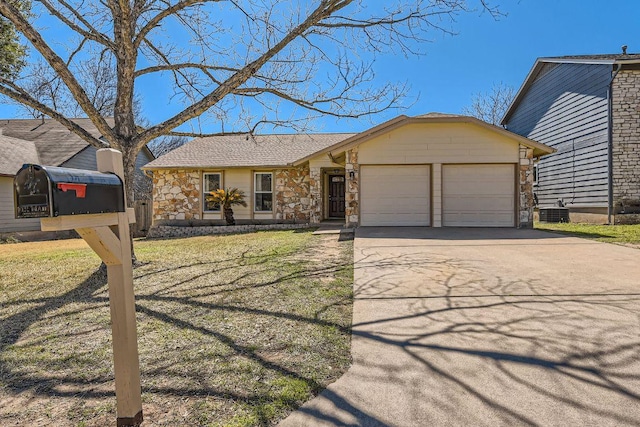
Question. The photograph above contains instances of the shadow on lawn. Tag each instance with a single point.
(185, 306)
(496, 346)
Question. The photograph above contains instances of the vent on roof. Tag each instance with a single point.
(624, 49)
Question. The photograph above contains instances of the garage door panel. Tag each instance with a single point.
(496, 204)
(395, 195)
(478, 195)
(468, 219)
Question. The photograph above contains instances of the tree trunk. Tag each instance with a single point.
(228, 215)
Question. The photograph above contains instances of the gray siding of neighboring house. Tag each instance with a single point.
(86, 159)
(566, 108)
(8, 223)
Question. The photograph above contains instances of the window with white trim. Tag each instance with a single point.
(535, 174)
(210, 182)
(263, 192)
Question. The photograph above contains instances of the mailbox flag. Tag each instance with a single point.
(80, 189)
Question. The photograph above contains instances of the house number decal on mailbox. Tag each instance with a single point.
(33, 194)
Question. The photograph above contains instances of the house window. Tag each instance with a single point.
(263, 190)
(535, 174)
(210, 182)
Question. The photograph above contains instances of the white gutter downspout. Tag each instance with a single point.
(610, 142)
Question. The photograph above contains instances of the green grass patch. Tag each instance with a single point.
(232, 330)
(624, 234)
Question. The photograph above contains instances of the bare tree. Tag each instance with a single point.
(164, 144)
(491, 106)
(245, 63)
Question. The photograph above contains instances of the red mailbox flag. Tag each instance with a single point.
(80, 189)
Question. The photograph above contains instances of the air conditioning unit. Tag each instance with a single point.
(554, 214)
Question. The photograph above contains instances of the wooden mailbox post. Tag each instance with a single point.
(108, 235)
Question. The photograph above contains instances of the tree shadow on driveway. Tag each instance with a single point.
(447, 333)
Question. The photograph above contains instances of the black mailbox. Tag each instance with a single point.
(48, 191)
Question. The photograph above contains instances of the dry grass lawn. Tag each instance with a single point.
(233, 330)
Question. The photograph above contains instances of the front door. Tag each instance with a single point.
(336, 196)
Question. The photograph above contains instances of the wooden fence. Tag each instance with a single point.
(144, 212)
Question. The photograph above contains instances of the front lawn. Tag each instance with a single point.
(623, 234)
(233, 330)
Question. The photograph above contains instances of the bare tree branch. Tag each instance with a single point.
(91, 33)
(22, 25)
(8, 89)
(491, 106)
(326, 8)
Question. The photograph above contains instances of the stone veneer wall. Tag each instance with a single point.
(626, 141)
(352, 209)
(176, 194)
(526, 202)
(168, 231)
(293, 199)
(315, 195)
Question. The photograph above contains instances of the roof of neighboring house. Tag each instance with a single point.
(55, 143)
(15, 153)
(538, 148)
(612, 59)
(604, 58)
(244, 150)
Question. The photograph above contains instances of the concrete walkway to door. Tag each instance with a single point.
(488, 327)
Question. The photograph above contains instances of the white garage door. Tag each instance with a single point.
(478, 195)
(395, 195)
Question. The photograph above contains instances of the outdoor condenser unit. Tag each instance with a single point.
(554, 214)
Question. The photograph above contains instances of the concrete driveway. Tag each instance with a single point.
(488, 327)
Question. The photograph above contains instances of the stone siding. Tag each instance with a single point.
(526, 202)
(626, 141)
(352, 209)
(293, 195)
(315, 194)
(168, 231)
(176, 194)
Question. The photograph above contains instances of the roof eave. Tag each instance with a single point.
(256, 167)
(350, 140)
(539, 149)
(355, 139)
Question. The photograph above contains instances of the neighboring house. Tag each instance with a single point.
(588, 108)
(432, 170)
(13, 154)
(47, 142)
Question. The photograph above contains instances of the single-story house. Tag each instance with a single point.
(431, 170)
(47, 142)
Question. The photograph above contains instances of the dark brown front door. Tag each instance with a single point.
(336, 196)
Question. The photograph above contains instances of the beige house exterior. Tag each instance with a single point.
(434, 170)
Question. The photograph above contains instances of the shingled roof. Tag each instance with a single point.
(54, 143)
(603, 57)
(228, 151)
(15, 153)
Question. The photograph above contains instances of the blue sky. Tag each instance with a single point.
(484, 52)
